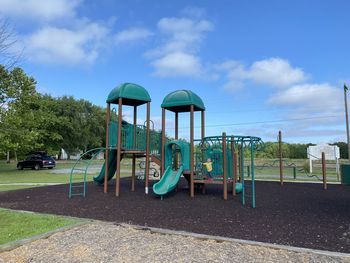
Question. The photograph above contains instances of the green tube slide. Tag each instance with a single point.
(112, 166)
(168, 182)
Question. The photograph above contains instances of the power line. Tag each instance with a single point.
(267, 121)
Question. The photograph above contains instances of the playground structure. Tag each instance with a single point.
(175, 157)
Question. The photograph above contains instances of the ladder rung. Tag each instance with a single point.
(77, 194)
(77, 186)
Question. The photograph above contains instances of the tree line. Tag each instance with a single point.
(295, 150)
(31, 121)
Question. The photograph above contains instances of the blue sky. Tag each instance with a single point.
(259, 66)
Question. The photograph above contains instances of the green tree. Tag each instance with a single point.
(343, 148)
(17, 100)
(81, 124)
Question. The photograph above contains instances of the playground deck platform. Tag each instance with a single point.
(301, 215)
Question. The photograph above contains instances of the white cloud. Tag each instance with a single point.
(66, 46)
(177, 64)
(183, 34)
(316, 110)
(323, 96)
(274, 72)
(178, 53)
(38, 9)
(132, 35)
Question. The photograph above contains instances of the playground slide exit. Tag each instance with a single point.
(168, 182)
(112, 166)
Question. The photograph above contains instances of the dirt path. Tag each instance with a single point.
(107, 242)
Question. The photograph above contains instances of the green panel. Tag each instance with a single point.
(133, 93)
(112, 134)
(181, 100)
(345, 174)
(184, 153)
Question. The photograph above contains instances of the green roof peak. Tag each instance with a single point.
(181, 101)
(132, 94)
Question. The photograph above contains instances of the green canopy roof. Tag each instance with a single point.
(181, 101)
(132, 94)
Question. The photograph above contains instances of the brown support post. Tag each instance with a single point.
(324, 176)
(347, 119)
(176, 125)
(191, 150)
(239, 159)
(202, 141)
(105, 187)
(224, 154)
(119, 145)
(280, 156)
(133, 169)
(202, 125)
(162, 168)
(234, 165)
(176, 138)
(147, 145)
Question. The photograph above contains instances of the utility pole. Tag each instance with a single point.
(347, 119)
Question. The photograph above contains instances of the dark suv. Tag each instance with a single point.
(37, 162)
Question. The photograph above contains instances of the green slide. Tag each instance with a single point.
(168, 182)
(112, 166)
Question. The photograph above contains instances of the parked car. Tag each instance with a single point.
(37, 162)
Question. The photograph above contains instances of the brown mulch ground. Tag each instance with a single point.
(302, 215)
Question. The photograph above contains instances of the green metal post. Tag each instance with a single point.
(242, 170)
(252, 171)
(295, 172)
(70, 183)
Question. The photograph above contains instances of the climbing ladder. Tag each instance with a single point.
(79, 172)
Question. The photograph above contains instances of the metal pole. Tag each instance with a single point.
(191, 150)
(234, 165)
(163, 143)
(294, 172)
(119, 146)
(252, 171)
(147, 145)
(347, 119)
(133, 171)
(176, 125)
(202, 134)
(202, 124)
(239, 160)
(324, 177)
(242, 171)
(176, 138)
(202, 141)
(280, 156)
(105, 187)
(224, 155)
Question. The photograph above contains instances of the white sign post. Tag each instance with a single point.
(331, 153)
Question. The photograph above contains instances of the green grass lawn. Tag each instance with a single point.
(16, 225)
(9, 174)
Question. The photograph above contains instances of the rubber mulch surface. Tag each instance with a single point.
(302, 215)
